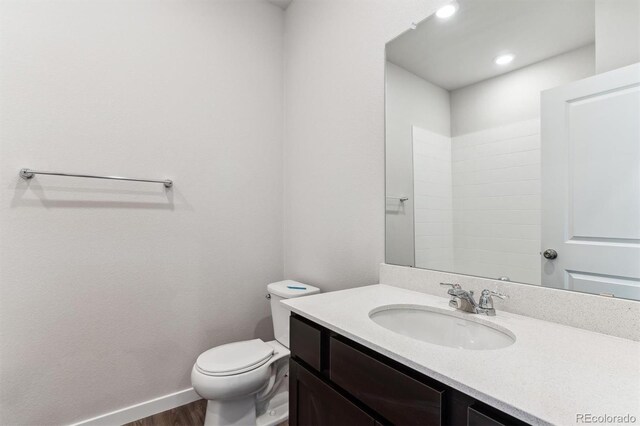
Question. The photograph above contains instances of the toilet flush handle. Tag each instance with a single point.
(268, 296)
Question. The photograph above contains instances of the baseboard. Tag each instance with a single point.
(142, 410)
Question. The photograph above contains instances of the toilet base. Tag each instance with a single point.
(276, 410)
(238, 412)
(274, 416)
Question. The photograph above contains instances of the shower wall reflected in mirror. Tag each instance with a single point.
(513, 143)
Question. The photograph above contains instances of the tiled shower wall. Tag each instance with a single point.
(477, 201)
(496, 202)
(432, 189)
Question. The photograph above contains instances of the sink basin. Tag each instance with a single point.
(441, 327)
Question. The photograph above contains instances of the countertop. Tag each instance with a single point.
(549, 375)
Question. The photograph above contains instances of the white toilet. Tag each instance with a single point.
(246, 383)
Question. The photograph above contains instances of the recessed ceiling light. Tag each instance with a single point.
(504, 59)
(447, 11)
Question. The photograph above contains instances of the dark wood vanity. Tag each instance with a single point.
(335, 381)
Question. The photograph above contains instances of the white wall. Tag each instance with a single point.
(110, 290)
(334, 136)
(617, 34)
(515, 96)
(410, 101)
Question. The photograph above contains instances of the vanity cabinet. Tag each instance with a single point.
(335, 381)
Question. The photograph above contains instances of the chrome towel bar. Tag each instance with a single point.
(402, 199)
(28, 174)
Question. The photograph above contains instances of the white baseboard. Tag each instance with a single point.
(142, 410)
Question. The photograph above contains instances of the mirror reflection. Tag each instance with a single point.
(513, 143)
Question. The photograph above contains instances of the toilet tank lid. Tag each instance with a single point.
(289, 289)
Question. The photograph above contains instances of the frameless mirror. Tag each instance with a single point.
(513, 143)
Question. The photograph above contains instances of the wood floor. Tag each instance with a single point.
(188, 415)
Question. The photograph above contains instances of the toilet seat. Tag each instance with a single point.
(234, 358)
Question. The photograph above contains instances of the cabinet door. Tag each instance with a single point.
(479, 415)
(476, 418)
(314, 403)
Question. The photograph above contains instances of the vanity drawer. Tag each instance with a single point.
(399, 398)
(305, 342)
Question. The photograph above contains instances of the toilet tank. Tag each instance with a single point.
(285, 290)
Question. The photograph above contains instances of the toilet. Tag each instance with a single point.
(246, 383)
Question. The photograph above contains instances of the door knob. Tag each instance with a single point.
(550, 254)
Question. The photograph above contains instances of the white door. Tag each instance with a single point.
(591, 184)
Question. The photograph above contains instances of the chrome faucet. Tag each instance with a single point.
(463, 300)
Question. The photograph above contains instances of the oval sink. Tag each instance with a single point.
(440, 327)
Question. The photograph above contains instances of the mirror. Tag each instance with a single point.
(513, 143)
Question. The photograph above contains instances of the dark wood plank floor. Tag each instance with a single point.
(188, 415)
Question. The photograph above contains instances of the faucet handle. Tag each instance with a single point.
(497, 294)
(487, 293)
(454, 302)
(486, 300)
(453, 285)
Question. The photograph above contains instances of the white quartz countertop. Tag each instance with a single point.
(549, 375)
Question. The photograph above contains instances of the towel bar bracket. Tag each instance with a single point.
(26, 174)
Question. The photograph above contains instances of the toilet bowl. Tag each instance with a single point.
(233, 377)
(246, 382)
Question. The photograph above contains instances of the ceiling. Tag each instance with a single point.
(459, 51)
(283, 4)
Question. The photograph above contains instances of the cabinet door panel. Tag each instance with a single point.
(476, 418)
(314, 403)
(479, 415)
(399, 398)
